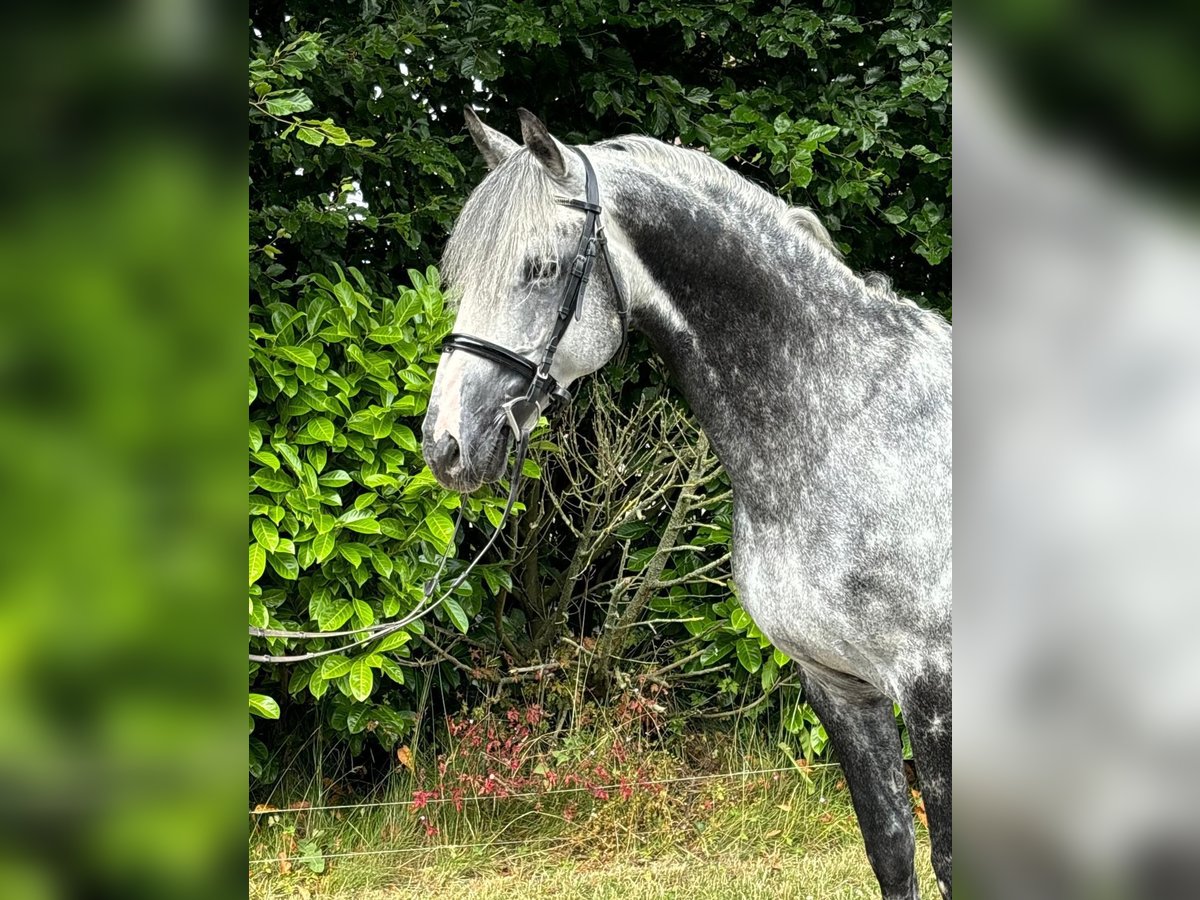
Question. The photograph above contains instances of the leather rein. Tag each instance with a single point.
(522, 414)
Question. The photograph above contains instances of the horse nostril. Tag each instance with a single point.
(448, 453)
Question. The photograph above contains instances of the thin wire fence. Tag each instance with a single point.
(484, 845)
(275, 860)
(639, 782)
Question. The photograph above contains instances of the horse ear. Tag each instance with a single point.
(544, 148)
(493, 146)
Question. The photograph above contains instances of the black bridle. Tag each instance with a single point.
(544, 392)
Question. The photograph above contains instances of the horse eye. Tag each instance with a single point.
(539, 270)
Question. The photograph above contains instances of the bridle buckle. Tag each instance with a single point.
(522, 415)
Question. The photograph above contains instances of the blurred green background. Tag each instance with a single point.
(122, 242)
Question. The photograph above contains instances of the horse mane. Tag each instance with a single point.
(673, 158)
(518, 192)
(698, 167)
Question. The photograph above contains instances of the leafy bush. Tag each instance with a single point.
(346, 522)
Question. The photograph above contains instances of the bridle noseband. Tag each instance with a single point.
(522, 414)
(544, 391)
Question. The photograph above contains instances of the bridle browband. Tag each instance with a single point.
(522, 415)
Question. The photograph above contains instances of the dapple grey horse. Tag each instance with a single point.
(826, 397)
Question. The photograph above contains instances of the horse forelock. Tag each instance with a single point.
(508, 218)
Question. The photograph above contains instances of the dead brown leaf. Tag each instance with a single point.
(405, 758)
(919, 808)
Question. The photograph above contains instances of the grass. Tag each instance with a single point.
(785, 834)
(841, 874)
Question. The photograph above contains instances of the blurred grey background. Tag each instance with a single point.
(1078, 385)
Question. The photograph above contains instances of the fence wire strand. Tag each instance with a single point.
(566, 790)
(349, 853)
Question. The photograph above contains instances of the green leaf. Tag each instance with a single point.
(267, 458)
(781, 658)
(263, 706)
(336, 478)
(284, 103)
(745, 114)
(823, 133)
(749, 655)
(404, 438)
(392, 669)
(275, 482)
(285, 564)
(317, 687)
(770, 674)
(334, 666)
(290, 456)
(382, 562)
(321, 429)
(497, 579)
(362, 679)
(640, 558)
(740, 619)
(310, 135)
(258, 561)
(311, 857)
(363, 611)
(301, 356)
(336, 134)
(323, 545)
(305, 555)
(441, 526)
(932, 86)
(335, 615)
(388, 334)
(494, 515)
(256, 438)
(456, 614)
(376, 481)
(393, 641)
(265, 533)
(345, 296)
(259, 616)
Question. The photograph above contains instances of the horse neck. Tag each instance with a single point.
(754, 319)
